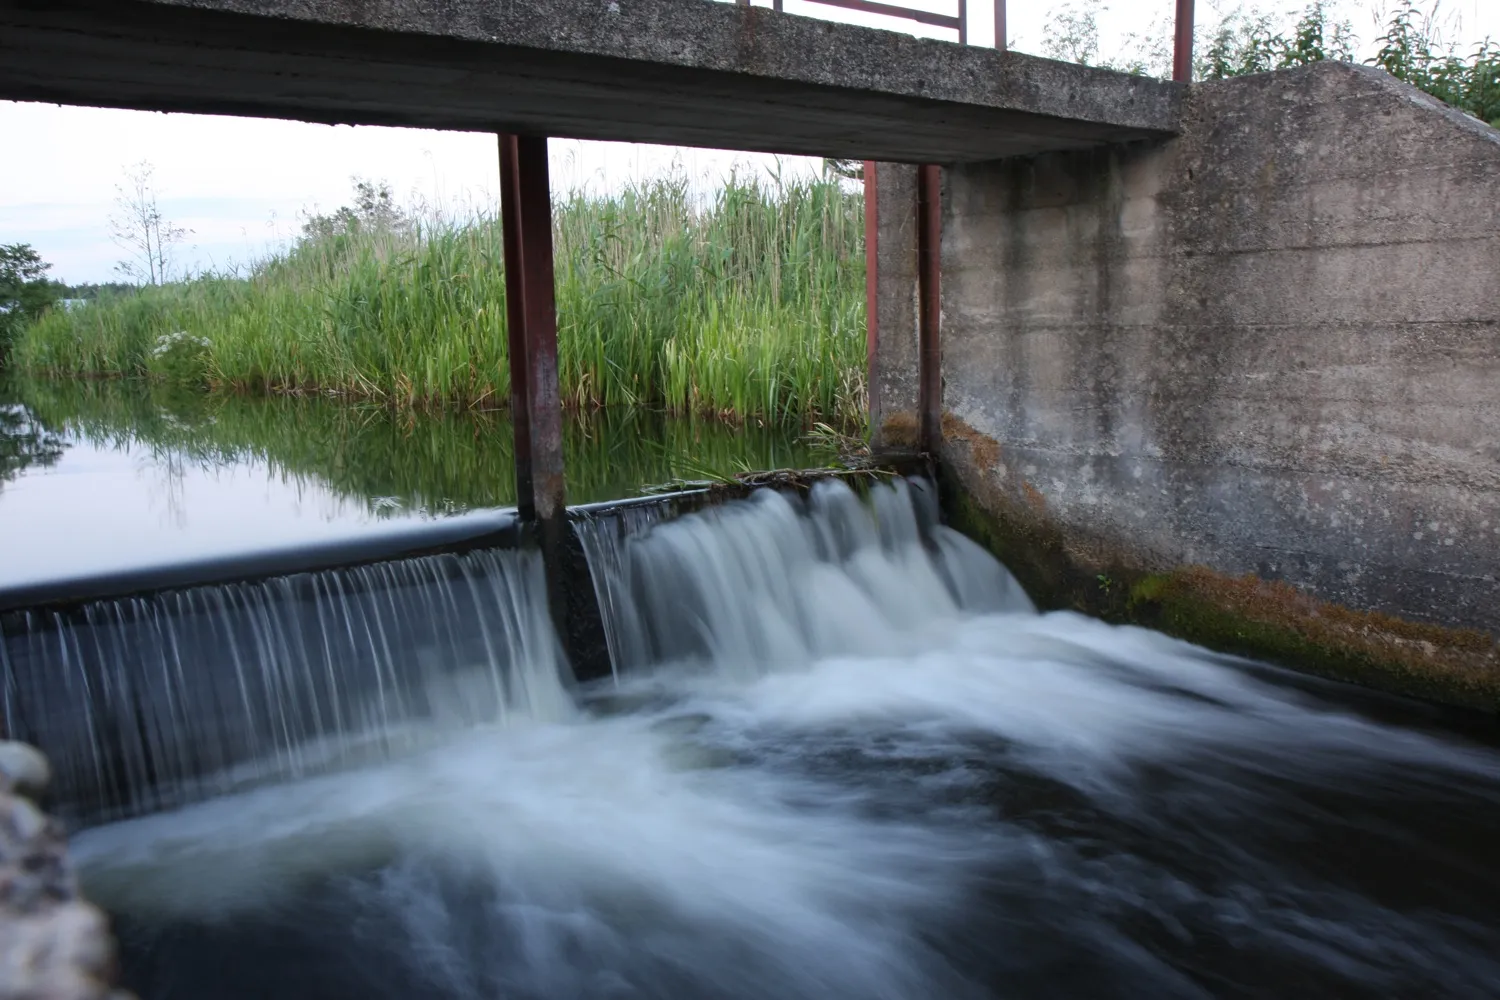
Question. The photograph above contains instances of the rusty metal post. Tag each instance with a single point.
(929, 309)
(1182, 48)
(536, 402)
(1000, 40)
(531, 313)
(872, 293)
(515, 324)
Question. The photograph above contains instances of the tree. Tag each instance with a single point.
(853, 170)
(374, 211)
(1072, 33)
(139, 227)
(1411, 50)
(25, 292)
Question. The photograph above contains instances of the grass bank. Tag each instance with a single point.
(749, 306)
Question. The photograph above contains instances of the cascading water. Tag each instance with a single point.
(843, 758)
(154, 701)
(747, 587)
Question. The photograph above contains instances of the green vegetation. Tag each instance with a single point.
(1248, 40)
(26, 294)
(391, 460)
(1409, 51)
(748, 307)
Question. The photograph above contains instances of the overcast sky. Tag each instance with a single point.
(240, 184)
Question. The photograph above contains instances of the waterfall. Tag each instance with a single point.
(147, 702)
(841, 757)
(779, 579)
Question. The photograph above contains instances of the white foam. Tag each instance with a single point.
(761, 790)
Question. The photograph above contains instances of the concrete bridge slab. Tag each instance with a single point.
(685, 72)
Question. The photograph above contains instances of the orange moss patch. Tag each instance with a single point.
(1034, 497)
(984, 451)
(901, 430)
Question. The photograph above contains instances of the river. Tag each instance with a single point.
(843, 758)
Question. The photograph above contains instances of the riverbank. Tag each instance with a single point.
(748, 307)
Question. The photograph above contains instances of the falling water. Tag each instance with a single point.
(152, 701)
(771, 581)
(844, 758)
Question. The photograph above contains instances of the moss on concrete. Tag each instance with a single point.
(1275, 621)
(1248, 616)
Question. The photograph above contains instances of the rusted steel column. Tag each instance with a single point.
(929, 305)
(515, 324)
(872, 289)
(1182, 48)
(1000, 41)
(531, 313)
(536, 402)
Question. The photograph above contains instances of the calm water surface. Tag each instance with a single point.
(104, 476)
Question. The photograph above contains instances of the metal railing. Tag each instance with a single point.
(958, 22)
(1182, 47)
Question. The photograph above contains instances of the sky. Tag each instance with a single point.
(241, 186)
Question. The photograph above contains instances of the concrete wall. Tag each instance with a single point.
(893, 378)
(1268, 346)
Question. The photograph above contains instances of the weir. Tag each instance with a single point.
(147, 702)
(840, 755)
(185, 683)
(1188, 376)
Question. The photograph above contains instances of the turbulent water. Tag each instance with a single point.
(158, 700)
(844, 757)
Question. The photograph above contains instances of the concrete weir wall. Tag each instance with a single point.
(1183, 374)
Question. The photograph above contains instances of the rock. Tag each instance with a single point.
(54, 945)
(64, 953)
(25, 769)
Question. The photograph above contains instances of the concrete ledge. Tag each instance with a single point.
(1062, 566)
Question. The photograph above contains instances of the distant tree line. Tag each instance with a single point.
(25, 292)
(88, 291)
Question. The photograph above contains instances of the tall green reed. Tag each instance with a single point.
(748, 305)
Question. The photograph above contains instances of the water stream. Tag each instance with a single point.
(844, 757)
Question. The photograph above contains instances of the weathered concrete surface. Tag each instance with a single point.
(893, 378)
(1269, 346)
(687, 72)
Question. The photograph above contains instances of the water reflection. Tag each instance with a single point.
(115, 475)
(25, 442)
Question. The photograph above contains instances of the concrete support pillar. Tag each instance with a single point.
(872, 282)
(929, 307)
(893, 311)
